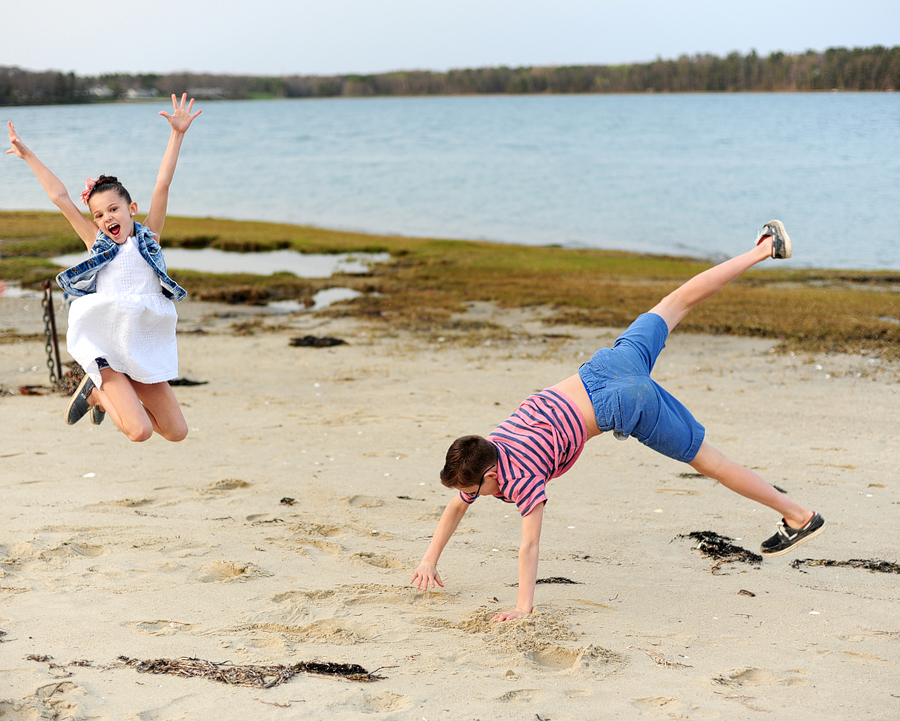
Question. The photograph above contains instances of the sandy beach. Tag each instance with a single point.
(286, 527)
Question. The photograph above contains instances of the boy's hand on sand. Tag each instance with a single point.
(426, 576)
(510, 615)
(18, 147)
(181, 117)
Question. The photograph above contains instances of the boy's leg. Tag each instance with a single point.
(711, 463)
(798, 525)
(675, 306)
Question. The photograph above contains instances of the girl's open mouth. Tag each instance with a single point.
(114, 230)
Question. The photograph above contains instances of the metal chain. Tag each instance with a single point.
(51, 344)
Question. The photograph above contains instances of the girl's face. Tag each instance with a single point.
(113, 215)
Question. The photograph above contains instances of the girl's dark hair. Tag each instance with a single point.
(110, 182)
(467, 458)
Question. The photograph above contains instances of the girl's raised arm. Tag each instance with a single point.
(180, 120)
(54, 188)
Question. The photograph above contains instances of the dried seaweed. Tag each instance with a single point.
(557, 579)
(255, 676)
(721, 549)
(552, 579)
(874, 565)
(311, 341)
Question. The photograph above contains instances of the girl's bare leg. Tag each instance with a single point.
(710, 462)
(163, 409)
(138, 409)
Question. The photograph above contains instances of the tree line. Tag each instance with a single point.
(854, 69)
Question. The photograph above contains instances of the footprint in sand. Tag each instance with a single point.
(670, 708)
(387, 702)
(363, 502)
(554, 657)
(329, 630)
(310, 546)
(593, 658)
(68, 551)
(229, 572)
(128, 502)
(365, 704)
(18, 552)
(185, 550)
(523, 695)
(751, 676)
(222, 487)
(377, 560)
(541, 638)
(57, 700)
(353, 594)
(315, 530)
(159, 628)
(260, 519)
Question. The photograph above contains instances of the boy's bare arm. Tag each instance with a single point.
(529, 552)
(426, 574)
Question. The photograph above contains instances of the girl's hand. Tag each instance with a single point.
(426, 576)
(181, 117)
(18, 147)
(510, 615)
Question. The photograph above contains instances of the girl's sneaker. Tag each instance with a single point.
(97, 415)
(781, 241)
(787, 538)
(78, 403)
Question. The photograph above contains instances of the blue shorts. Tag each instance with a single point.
(626, 400)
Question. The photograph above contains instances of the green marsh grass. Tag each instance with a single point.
(428, 281)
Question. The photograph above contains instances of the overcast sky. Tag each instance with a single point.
(281, 37)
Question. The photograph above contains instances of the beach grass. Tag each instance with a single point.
(428, 282)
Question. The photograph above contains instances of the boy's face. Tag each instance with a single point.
(489, 485)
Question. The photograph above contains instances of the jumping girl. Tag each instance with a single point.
(122, 319)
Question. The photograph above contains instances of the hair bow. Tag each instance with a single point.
(88, 187)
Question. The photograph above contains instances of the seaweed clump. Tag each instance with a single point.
(721, 549)
(255, 676)
(873, 565)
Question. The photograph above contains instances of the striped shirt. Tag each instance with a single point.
(540, 441)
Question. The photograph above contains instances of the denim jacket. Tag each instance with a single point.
(81, 279)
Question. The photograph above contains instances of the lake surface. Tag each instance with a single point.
(678, 174)
(303, 265)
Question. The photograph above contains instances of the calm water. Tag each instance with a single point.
(683, 174)
(303, 265)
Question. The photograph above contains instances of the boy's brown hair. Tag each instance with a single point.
(467, 458)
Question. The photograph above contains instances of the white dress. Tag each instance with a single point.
(128, 322)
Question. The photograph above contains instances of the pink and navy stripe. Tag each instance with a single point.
(540, 441)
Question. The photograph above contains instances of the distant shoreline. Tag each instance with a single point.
(858, 69)
(162, 98)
